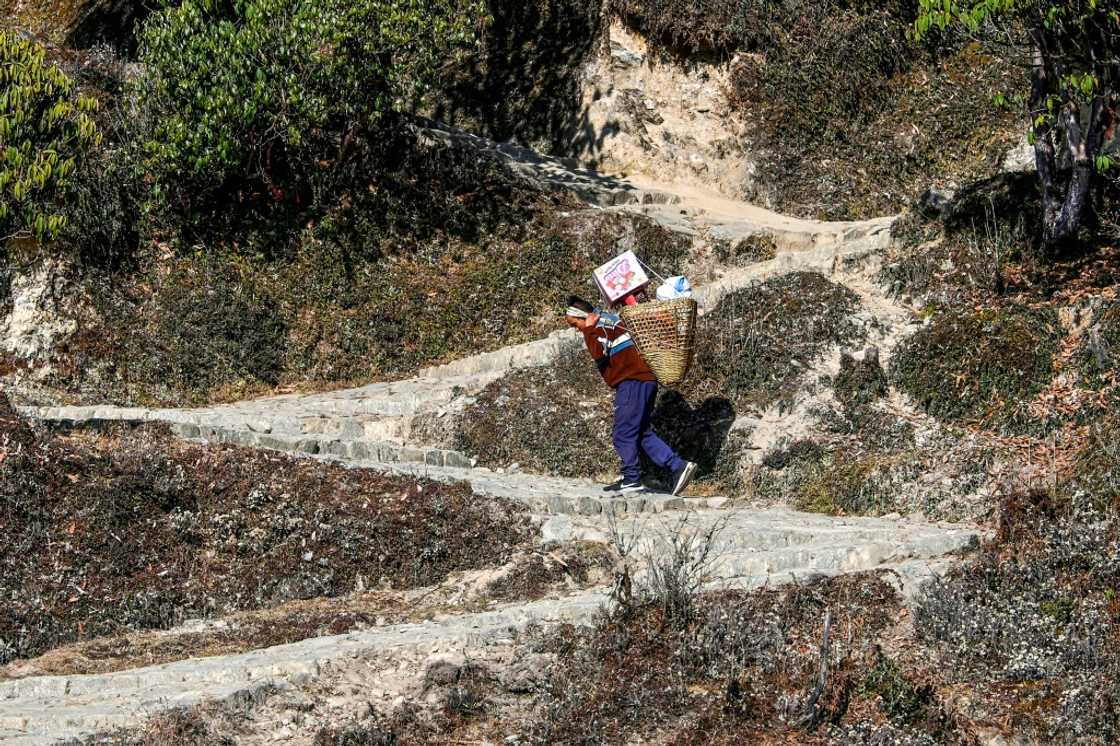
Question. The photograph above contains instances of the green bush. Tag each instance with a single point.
(272, 101)
(45, 127)
(1069, 95)
(980, 366)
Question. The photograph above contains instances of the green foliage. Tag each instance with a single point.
(980, 366)
(45, 126)
(258, 100)
(899, 699)
(1081, 36)
(1074, 48)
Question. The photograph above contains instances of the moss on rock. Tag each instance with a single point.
(980, 366)
(757, 248)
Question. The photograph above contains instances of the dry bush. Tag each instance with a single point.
(142, 531)
(982, 366)
(679, 565)
(718, 679)
(1031, 624)
(758, 341)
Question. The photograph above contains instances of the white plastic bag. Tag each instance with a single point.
(674, 287)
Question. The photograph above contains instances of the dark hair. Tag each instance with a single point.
(576, 302)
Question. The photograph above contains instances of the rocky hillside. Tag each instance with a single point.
(653, 94)
(297, 440)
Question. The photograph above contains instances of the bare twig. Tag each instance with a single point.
(811, 713)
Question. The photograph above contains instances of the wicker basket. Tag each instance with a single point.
(665, 334)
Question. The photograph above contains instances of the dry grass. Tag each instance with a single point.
(141, 531)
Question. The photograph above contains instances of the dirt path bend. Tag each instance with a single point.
(682, 207)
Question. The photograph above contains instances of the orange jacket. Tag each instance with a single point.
(614, 352)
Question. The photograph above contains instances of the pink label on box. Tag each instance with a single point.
(620, 276)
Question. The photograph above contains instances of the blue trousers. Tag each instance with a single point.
(633, 407)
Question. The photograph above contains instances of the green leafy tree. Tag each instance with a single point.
(1074, 53)
(45, 126)
(264, 99)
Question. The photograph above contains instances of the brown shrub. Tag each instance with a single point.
(143, 531)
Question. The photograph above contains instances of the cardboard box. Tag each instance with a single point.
(620, 276)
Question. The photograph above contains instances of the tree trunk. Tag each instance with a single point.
(1064, 206)
(1084, 145)
(1043, 135)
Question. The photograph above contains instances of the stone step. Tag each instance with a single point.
(372, 452)
(46, 709)
(514, 357)
(849, 557)
(346, 442)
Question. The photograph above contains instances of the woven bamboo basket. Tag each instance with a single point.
(664, 332)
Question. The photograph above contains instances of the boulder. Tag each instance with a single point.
(1019, 159)
(41, 312)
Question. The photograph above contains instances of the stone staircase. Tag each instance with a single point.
(373, 424)
(752, 548)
